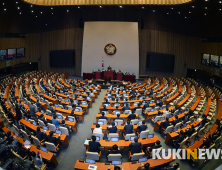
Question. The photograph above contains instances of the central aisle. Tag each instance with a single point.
(76, 149)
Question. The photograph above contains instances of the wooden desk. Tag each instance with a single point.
(34, 128)
(173, 135)
(72, 124)
(150, 115)
(1, 123)
(111, 117)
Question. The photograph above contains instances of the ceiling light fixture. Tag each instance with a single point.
(121, 6)
(67, 10)
(142, 7)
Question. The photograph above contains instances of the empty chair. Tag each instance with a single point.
(113, 135)
(144, 134)
(120, 122)
(192, 137)
(103, 120)
(69, 107)
(59, 114)
(139, 111)
(25, 135)
(64, 130)
(136, 156)
(148, 109)
(36, 141)
(114, 157)
(127, 111)
(61, 106)
(93, 155)
(51, 147)
(178, 125)
(127, 137)
(52, 127)
(100, 135)
(48, 111)
(168, 129)
(134, 121)
(41, 123)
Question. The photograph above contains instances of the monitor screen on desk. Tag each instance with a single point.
(100, 123)
(45, 127)
(80, 97)
(59, 132)
(90, 161)
(130, 112)
(143, 103)
(161, 108)
(192, 143)
(117, 112)
(88, 98)
(135, 104)
(140, 122)
(84, 103)
(71, 119)
(26, 119)
(132, 138)
(91, 94)
(75, 101)
(97, 138)
(59, 117)
(141, 98)
(142, 160)
(34, 123)
(114, 139)
(175, 129)
(150, 136)
(107, 105)
(170, 116)
(116, 104)
(67, 100)
(152, 110)
(56, 105)
(43, 149)
(117, 162)
(42, 101)
(16, 134)
(151, 102)
(164, 154)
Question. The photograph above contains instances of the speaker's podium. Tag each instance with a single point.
(109, 73)
(119, 76)
(97, 75)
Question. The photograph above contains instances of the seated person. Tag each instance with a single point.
(132, 116)
(53, 139)
(190, 131)
(128, 128)
(93, 145)
(177, 141)
(185, 120)
(42, 118)
(64, 125)
(117, 109)
(39, 105)
(73, 115)
(172, 167)
(138, 107)
(112, 129)
(175, 121)
(106, 102)
(40, 135)
(17, 124)
(207, 142)
(98, 129)
(165, 124)
(50, 108)
(117, 117)
(104, 108)
(155, 146)
(146, 105)
(115, 150)
(142, 127)
(9, 138)
(103, 116)
(126, 107)
(55, 121)
(22, 152)
(145, 167)
(37, 159)
(215, 136)
(135, 146)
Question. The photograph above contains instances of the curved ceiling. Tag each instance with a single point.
(106, 2)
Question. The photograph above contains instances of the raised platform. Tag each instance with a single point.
(105, 85)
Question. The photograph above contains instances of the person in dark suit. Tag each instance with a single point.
(106, 102)
(172, 167)
(18, 112)
(103, 116)
(190, 131)
(32, 109)
(42, 118)
(135, 147)
(138, 107)
(17, 124)
(23, 152)
(115, 150)
(104, 108)
(179, 139)
(38, 104)
(50, 108)
(207, 142)
(165, 124)
(113, 129)
(175, 121)
(142, 127)
(132, 116)
(93, 145)
(9, 138)
(9, 114)
(190, 113)
(146, 105)
(40, 135)
(53, 139)
(155, 146)
(128, 128)
(117, 117)
(201, 126)
(64, 125)
(126, 107)
(185, 120)
(144, 166)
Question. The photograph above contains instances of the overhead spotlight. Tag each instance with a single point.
(5, 9)
(205, 14)
(52, 13)
(206, 0)
(100, 6)
(193, 6)
(167, 13)
(67, 10)
(178, 12)
(32, 11)
(185, 17)
(16, 2)
(189, 12)
(31, 5)
(45, 24)
(20, 13)
(78, 6)
(3, 3)
(220, 9)
(18, 7)
(40, 12)
(36, 16)
(220, 2)
(172, 8)
(51, 7)
(120, 6)
(142, 7)
(205, 7)
(154, 11)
